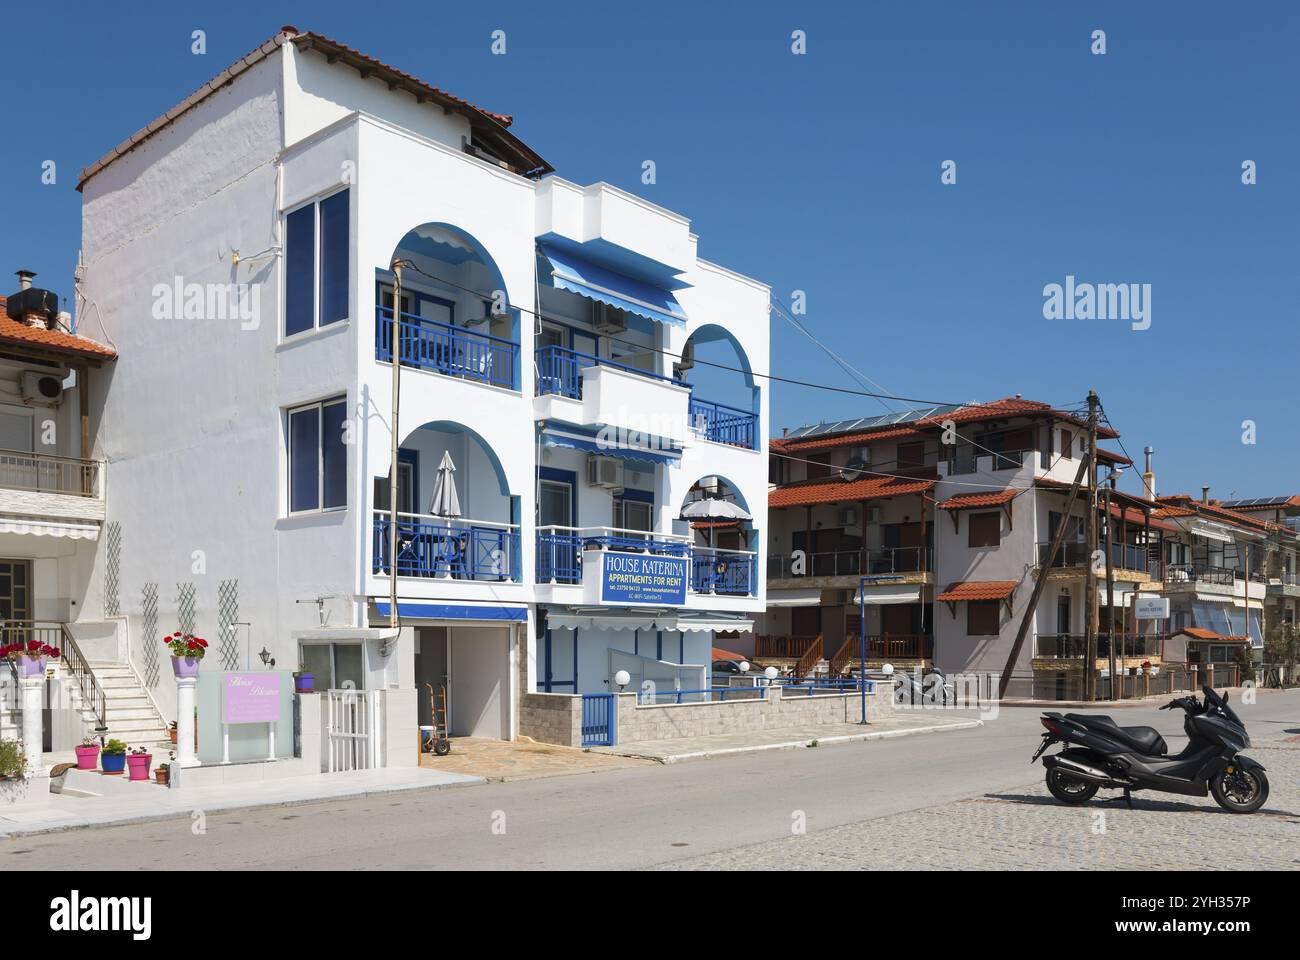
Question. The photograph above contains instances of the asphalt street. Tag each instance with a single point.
(749, 810)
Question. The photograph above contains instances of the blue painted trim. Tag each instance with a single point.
(450, 611)
(645, 496)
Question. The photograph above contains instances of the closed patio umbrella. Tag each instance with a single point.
(445, 502)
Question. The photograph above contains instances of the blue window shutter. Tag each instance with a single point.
(304, 459)
(334, 237)
(334, 455)
(300, 270)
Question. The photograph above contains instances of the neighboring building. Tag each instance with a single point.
(546, 339)
(52, 491)
(1282, 576)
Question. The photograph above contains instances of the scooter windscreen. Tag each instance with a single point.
(1221, 704)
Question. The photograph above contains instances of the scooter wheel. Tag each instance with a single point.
(1242, 791)
(1070, 789)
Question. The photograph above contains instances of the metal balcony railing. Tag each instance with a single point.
(723, 424)
(446, 349)
(43, 473)
(843, 563)
(559, 371)
(448, 548)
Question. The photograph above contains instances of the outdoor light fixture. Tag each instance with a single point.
(622, 678)
(744, 666)
(770, 673)
(887, 669)
(265, 656)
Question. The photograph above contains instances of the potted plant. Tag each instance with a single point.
(304, 682)
(187, 650)
(138, 762)
(171, 731)
(113, 759)
(162, 773)
(13, 761)
(29, 656)
(88, 754)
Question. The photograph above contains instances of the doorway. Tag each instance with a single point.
(431, 667)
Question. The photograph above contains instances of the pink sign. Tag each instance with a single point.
(251, 698)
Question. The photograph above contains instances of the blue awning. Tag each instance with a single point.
(621, 448)
(587, 279)
(452, 611)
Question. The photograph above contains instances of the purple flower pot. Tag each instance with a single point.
(304, 682)
(30, 666)
(185, 666)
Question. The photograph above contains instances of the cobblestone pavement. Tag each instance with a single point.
(1025, 828)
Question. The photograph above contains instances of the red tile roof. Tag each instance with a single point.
(994, 410)
(720, 654)
(1110, 456)
(964, 501)
(836, 491)
(1200, 633)
(1184, 505)
(55, 341)
(978, 590)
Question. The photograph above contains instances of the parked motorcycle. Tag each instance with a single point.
(931, 687)
(1099, 753)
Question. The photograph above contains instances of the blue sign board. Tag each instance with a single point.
(639, 578)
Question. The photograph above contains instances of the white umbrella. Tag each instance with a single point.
(711, 508)
(445, 502)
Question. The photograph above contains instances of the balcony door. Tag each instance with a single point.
(15, 590)
(18, 468)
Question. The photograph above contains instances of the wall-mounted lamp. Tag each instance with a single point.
(265, 656)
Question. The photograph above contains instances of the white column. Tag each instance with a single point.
(186, 689)
(33, 732)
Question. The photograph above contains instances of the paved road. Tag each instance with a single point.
(729, 812)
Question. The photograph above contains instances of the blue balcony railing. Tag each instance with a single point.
(560, 553)
(724, 572)
(559, 371)
(451, 549)
(723, 424)
(446, 349)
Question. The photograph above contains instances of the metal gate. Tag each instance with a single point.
(352, 724)
(598, 720)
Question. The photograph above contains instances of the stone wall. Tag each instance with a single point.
(551, 718)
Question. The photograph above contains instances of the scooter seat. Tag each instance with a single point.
(1144, 739)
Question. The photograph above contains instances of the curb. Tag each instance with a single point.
(226, 807)
(807, 744)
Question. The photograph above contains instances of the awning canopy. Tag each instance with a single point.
(621, 445)
(889, 593)
(794, 598)
(1210, 533)
(631, 620)
(50, 528)
(977, 590)
(571, 272)
(453, 611)
(971, 501)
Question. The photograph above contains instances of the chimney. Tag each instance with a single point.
(1149, 477)
(31, 305)
(1205, 495)
(25, 279)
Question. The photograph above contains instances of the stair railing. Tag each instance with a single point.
(91, 692)
(808, 662)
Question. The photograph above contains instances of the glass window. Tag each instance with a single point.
(317, 242)
(304, 459)
(335, 666)
(300, 270)
(555, 505)
(334, 258)
(318, 465)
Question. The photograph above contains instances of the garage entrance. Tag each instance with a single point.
(474, 663)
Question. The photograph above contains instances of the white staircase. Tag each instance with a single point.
(131, 715)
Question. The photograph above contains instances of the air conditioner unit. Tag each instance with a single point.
(606, 472)
(847, 517)
(43, 387)
(609, 319)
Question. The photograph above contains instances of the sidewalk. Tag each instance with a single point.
(785, 738)
(55, 812)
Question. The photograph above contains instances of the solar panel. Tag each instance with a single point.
(828, 427)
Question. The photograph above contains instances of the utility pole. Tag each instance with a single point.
(1110, 588)
(1090, 578)
(395, 354)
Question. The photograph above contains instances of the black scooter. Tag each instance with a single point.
(1100, 753)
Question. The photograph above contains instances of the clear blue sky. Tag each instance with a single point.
(821, 173)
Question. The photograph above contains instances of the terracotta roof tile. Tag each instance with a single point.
(720, 654)
(835, 491)
(978, 590)
(964, 501)
(1200, 633)
(57, 341)
(1184, 505)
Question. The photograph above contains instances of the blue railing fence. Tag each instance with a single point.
(723, 424)
(599, 720)
(559, 371)
(447, 349)
(434, 547)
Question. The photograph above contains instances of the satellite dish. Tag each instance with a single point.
(853, 469)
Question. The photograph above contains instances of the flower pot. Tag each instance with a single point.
(30, 666)
(185, 666)
(172, 734)
(304, 682)
(138, 765)
(161, 774)
(112, 763)
(87, 758)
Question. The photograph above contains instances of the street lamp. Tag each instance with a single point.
(622, 678)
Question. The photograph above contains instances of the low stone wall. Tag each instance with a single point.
(557, 717)
(551, 718)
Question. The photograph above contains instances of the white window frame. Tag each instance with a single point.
(319, 406)
(315, 327)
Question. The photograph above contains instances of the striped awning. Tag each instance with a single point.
(50, 528)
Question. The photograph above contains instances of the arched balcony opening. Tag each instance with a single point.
(456, 517)
(724, 405)
(721, 530)
(455, 317)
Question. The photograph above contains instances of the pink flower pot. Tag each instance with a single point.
(185, 666)
(30, 666)
(137, 765)
(87, 758)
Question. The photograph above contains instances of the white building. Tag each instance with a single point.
(239, 252)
